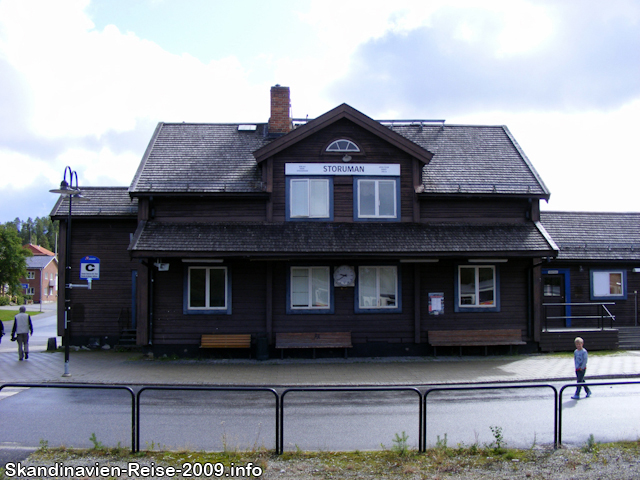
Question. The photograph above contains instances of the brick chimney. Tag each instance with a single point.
(280, 120)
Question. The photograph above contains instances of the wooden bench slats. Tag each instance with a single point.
(314, 340)
(457, 338)
(241, 340)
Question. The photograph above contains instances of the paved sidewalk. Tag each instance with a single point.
(132, 369)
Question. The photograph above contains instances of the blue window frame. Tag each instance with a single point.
(477, 288)
(608, 284)
(310, 290)
(207, 290)
(378, 289)
(376, 199)
(309, 199)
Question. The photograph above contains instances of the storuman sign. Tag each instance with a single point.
(367, 169)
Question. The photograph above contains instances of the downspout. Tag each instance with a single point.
(530, 284)
(151, 280)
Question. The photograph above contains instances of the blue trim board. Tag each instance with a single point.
(567, 288)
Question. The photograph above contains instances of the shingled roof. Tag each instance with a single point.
(98, 201)
(304, 238)
(201, 158)
(221, 158)
(474, 159)
(594, 235)
(39, 261)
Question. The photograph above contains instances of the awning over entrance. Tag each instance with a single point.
(338, 239)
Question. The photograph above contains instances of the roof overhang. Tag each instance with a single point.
(345, 240)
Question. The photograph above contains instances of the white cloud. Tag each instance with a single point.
(86, 82)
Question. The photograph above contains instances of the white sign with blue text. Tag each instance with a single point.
(90, 268)
(367, 169)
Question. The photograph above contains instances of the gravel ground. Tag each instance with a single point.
(610, 463)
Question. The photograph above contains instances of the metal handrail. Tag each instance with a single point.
(575, 385)
(279, 401)
(205, 388)
(421, 437)
(602, 308)
(495, 387)
(86, 386)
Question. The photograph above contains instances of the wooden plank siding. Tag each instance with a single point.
(474, 210)
(374, 150)
(209, 209)
(580, 281)
(95, 312)
(440, 277)
(249, 305)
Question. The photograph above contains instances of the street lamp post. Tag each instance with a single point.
(70, 190)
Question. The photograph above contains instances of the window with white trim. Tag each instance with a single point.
(376, 198)
(608, 284)
(343, 146)
(309, 198)
(477, 286)
(378, 287)
(310, 288)
(207, 289)
(31, 275)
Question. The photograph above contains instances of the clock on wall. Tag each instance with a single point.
(344, 276)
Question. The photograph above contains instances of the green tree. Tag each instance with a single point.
(13, 259)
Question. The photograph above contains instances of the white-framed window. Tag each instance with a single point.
(30, 291)
(608, 284)
(207, 289)
(31, 275)
(309, 198)
(376, 198)
(310, 288)
(378, 287)
(477, 286)
(343, 146)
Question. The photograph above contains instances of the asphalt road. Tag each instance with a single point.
(313, 421)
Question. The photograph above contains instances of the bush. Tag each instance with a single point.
(4, 301)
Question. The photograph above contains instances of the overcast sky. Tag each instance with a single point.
(83, 83)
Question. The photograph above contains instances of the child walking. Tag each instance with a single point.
(580, 357)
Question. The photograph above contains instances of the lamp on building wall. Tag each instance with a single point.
(73, 192)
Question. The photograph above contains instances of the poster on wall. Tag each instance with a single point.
(436, 303)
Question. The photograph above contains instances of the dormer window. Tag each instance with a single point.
(343, 146)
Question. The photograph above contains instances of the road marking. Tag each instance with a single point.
(10, 391)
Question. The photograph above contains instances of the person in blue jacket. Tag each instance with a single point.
(22, 326)
(580, 357)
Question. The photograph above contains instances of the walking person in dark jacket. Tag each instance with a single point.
(580, 357)
(22, 326)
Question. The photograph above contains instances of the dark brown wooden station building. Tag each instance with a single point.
(341, 232)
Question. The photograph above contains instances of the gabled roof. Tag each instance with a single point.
(98, 202)
(219, 159)
(38, 250)
(340, 239)
(343, 111)
(40, 261)
(200, 158)
(587, 236)
(474, 159)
